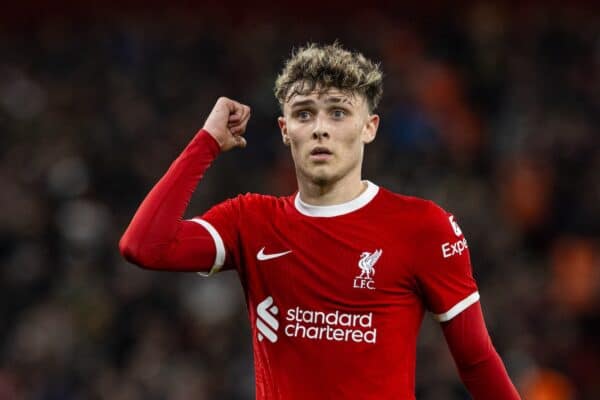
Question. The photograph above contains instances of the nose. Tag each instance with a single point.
(320, 130)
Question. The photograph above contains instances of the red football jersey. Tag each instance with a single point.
(336, 294)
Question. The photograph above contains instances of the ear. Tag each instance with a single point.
(283, 128)
(370, 129)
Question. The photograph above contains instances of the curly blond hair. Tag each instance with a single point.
(315, 67)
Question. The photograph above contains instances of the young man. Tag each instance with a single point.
(337, 276)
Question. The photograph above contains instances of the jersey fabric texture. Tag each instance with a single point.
(336, 294)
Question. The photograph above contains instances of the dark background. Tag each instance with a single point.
(490, 109)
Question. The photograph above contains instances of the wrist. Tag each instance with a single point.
(207, 139)
(215, 133)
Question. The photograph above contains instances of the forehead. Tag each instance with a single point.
(332, 95)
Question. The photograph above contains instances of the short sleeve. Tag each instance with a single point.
(443, 265)
(222, 223)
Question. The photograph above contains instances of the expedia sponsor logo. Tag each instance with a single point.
(452, 249)
(455, 226)
(315, 325)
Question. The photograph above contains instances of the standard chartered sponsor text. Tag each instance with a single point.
(335, 326)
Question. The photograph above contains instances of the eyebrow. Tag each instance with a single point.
(334, 100)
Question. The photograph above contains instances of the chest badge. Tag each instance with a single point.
(366, 263)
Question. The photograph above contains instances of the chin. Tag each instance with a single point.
(320, 180)
(321, 177)
(320, 174)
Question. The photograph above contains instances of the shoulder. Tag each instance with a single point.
(416, 206)
(247, 207)
(257, 201)
(423, 215)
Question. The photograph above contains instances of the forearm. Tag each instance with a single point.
(488, 380)
(478, 363)
(157, 224)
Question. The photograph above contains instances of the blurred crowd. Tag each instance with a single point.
(491, 111)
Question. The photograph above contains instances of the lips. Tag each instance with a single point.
(320, 151)
(320, 154)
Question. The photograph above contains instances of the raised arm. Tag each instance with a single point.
(478, 363)
(158, 237)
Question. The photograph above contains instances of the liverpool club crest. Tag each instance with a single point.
(366, 263)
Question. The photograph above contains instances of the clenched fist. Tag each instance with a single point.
(227, 123)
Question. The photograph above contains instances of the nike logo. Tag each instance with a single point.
(261, 256)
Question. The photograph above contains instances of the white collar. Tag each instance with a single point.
(337, 209)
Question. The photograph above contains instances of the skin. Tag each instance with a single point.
(326, 132)
(335, 121)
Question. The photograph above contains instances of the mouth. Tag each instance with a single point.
(320, 153)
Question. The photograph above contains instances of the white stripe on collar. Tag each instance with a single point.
(337, 209)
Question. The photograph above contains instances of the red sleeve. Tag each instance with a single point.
(224, 221)
(158, 237)
(478, 363)
(443, 265)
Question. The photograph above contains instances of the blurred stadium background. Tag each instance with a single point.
(490, 109)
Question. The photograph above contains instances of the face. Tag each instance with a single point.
(326, 133)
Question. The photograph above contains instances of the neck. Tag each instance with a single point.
(331, 193)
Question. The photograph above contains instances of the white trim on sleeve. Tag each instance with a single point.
(458, 308)
(219, 246)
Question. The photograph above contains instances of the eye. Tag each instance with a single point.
(303, 115)
(338, 113)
